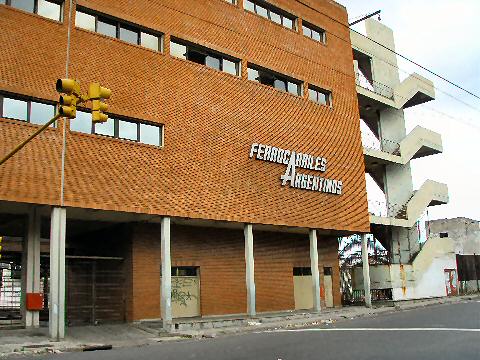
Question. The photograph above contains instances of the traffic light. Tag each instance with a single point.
(97, 93)
(68, 102)
(1, 238)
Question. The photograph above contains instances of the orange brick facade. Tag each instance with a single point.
(219, 253)
(211, 119)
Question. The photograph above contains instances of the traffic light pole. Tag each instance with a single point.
(31, 137)
(68, 107)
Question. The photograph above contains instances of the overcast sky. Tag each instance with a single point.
(442, 35)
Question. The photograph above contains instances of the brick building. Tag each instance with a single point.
(232, 152)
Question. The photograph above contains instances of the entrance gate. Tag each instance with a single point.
(95, 290)
(10, 289)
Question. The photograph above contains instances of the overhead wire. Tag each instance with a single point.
(391, 50)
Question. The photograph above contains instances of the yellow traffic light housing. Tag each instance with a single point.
(98, 108)
(97, 93)
(1, 238)
(68, 102)
(68, 86)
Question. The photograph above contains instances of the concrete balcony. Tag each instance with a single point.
(431, 193)
(418, 143)
(414, 90)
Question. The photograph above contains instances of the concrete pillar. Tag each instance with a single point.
(57, 274)
(249, 269)
(166, 285)
(366, 272)
(32, 264)
(314, 266)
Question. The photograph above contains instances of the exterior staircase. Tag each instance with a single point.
(431, 193)
(418, 143)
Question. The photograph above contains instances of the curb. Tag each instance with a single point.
(162, 336)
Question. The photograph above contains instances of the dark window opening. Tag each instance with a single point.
(275, 80)
(196, 56)
(302, 271)
(327, 271)
(444, 234)
(184, 271)
(205, 56)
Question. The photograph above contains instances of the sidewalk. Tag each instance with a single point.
(21, 341)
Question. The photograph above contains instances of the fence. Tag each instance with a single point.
(10, 292)
(358, 296)
(384, 209)
(370, 141)
(374, 86)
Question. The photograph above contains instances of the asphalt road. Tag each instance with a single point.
(436, 333)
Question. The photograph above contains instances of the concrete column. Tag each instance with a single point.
(166, 286)
(314, 266)
(57, 274)
(366, 272)
(32, 264)
(249, 269)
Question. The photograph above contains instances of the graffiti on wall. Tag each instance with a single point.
(182, 288)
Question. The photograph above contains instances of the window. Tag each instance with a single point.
(178, 50)
(106, 28)
(233, 2)
(327, 271)
(184, 271)
(302, 271)
(15, 109)
(444, 234)
(128, 35)
(205, 56)
(150, 134)
(117, 29)
(107, 128)
(320, 96)
(26, 110)
(26, 5)
(127, 129)
(275, 80)
(85, 21)
(41, 113)
(82, 122)
(149, 41)
(271, 13)
(314, 32)
(51, 9)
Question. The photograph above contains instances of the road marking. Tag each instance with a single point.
(373, 329)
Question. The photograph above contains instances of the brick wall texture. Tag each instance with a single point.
(219, 253)
(211, 118)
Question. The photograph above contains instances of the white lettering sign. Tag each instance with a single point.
(295, 160)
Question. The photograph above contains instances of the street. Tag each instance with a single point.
(437, 332)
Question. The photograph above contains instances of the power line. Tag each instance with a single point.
(297, 55)
(391, 50)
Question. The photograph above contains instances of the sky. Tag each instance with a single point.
(442, 36)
